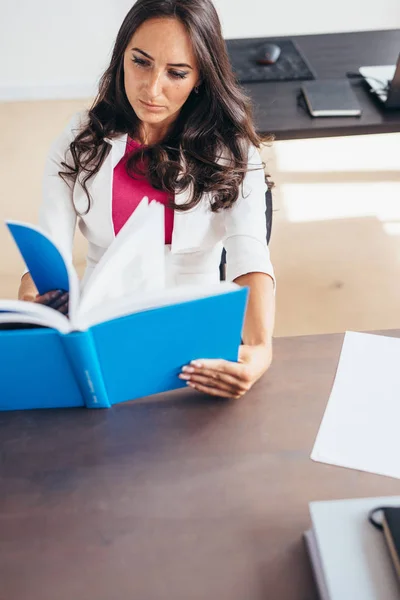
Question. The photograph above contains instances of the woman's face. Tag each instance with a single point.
(160, 71)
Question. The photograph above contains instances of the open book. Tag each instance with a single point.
(126, 335)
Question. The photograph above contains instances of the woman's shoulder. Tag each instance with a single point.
(74, 126)
(78, 122)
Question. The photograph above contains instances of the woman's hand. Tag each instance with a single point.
(227, 379)
(57, 299)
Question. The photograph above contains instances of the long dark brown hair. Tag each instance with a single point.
(218, 117)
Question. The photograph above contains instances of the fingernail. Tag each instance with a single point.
(196, 363)
(190, 384)
(182, 376)
(188, 369)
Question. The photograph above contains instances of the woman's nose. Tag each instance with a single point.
(154, 85)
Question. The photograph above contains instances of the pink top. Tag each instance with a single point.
(127, 194)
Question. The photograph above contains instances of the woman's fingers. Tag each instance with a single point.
(212, 391)
(48, 297)
(207, 381)
(226, 378)
(213, 379)
(60, 301)
(57, 299)
(63, 309)
(218, 364)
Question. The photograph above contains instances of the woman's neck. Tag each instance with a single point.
(150, 134)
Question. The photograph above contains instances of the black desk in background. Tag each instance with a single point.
(275, 104)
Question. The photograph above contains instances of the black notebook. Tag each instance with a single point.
(330, 98)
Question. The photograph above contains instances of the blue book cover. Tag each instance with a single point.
(143, 353)
(112, 351)
(43, 259)
(34, 372)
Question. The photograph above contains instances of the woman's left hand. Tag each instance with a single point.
(225, 378)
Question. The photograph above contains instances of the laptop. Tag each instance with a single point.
(384, 82)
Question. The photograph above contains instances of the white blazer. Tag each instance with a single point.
(198, 235)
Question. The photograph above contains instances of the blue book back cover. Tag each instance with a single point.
(142, 354)
(42, 258)
(35, 372)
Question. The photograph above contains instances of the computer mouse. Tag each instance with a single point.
(268, 54)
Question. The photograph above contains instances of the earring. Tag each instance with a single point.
(196, 90)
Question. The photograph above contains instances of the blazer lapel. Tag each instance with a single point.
(190, 227)
(118, 145)
(99, 223)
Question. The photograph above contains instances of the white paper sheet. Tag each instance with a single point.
(360, 427)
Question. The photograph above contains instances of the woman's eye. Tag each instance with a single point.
(139, 61)
(178, 75)
(144, 63)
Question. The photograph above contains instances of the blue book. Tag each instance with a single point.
(126, 335)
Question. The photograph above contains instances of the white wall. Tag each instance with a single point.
(58, 49)
(258, 18)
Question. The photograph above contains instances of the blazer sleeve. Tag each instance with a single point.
(245, 238)
(57, 215)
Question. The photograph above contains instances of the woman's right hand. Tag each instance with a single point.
(57, 299)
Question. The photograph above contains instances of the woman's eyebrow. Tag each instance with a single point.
(169, 64)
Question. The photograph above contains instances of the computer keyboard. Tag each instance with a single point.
(290, 66)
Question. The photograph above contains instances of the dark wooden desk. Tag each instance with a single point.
(331, 55)
(184, 497)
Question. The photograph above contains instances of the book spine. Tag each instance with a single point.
(82, 355)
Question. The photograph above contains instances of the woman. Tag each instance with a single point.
(170, 123)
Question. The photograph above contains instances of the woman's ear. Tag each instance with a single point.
(196, 87)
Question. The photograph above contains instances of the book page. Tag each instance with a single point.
(133, 265)
(32, 312)
(360, 427)
(152, 299)
(14, 321)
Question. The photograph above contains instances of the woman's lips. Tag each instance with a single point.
(155, 107)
